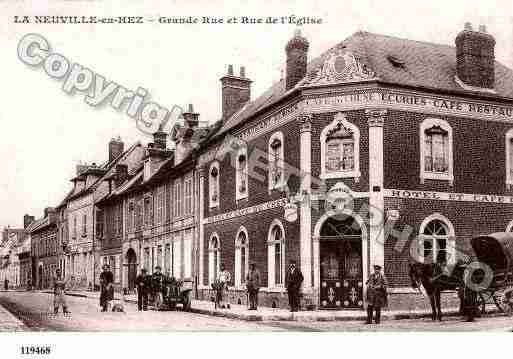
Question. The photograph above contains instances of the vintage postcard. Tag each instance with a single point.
(278, 166)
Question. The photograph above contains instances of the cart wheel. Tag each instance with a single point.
(186, 303)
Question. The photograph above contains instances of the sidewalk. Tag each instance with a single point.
(278, 314)
(9, 323)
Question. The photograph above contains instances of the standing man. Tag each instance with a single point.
(293, 281)
(253, 285)
(156, 281)
(59, 295)
(141, 282)
(106, 288)
(224, 277)
(376, 294)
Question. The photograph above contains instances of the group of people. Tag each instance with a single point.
(293, 280)
(152, 287)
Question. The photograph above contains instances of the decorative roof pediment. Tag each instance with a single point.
(339, 128)
(341, 65)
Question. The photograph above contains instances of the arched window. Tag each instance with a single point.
(213, 180)
(436, 150)
(436, 240)
(241, 257)
(275, 154)
(340, 149)
(276, 255)
(241, 174)
(214, 257)
(509, 158)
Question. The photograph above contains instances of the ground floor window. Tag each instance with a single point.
(214, 257)
(276, 254)
(241, 257)
(436, 240)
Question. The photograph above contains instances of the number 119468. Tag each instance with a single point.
(35, 350)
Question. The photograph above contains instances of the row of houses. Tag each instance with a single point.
(380, 151)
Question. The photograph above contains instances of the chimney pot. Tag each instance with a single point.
(230, 70)
(242, 72)
(468, 26)
(482, 28)
(116, 148)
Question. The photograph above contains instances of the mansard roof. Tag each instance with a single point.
(384, 59)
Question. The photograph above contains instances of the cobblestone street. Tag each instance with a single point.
(34, 310)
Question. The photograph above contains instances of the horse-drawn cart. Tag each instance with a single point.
(494, 253)
(177, 292)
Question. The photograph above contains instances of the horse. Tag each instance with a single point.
(433, 280)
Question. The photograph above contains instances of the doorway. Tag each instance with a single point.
(341, 277)
(131, 259)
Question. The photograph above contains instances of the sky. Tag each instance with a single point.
(46, 132)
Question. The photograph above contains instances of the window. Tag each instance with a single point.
(436, 240)
(99, 223)
(214, 257)
(147, 259)
(340, 142)
(276, 254)
(178, 199)
(75, 226)
(188, 196)
(138, 214)
(177, 256)
(159, 256)
(187, 254)
(160, 206)
(148, 211)
(213, 182)
(436, 150)
(276, 156)
(130, 218)
(241, 257)
(509, 158)
(241, 190)
(167, 258)
(84, 225)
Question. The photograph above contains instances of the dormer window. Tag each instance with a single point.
(275, 151)
(436, 152)
(214, 184)
(340, 149)
(242, 175)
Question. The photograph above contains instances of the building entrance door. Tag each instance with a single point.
(341, 265)
(131, 259)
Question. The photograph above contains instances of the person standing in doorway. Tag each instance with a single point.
(253, 285)
(59, 295)
(224, 277)
(293, 281)
(141, 282)
(106, 288)
(376, 294)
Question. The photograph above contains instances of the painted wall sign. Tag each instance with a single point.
(447, 196)
(245, 211)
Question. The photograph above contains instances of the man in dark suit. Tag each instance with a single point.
(156, 284)
(293, 280)
(253, 285)
(106, 288)
(143, 286)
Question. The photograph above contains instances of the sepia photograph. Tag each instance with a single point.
(254, 167)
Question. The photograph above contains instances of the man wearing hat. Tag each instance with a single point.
(253, 285)
(156, 284)
(293, 281)
(106, 288)
(143, 286)
(376, 294)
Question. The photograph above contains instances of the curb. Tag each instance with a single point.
(299, 317)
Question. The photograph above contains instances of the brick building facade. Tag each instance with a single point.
(380, 151)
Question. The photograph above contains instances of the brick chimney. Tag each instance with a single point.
(190, 117)
(235, 92)
(475, 58)
(160, 139)
(116, 148)
(27, 220)
(297, 59)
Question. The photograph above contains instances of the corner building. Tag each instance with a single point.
(380, 150)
